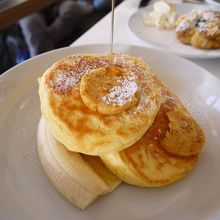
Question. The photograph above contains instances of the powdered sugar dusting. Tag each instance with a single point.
(66, 75)
(64, 82)
(130, 65)
(121, 94)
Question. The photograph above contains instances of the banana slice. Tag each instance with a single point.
(79, 180)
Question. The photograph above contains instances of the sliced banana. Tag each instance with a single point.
(79, 180)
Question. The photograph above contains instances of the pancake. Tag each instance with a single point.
(200, 28)
(95, 104)
(167, 151)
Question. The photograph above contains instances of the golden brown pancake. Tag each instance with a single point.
(167, 151)
(104, 113)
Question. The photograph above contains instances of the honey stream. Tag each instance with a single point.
(112, 27)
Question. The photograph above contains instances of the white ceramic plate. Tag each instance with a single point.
(166, 39)
(25, 191)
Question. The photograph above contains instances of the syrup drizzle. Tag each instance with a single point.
(112, 26)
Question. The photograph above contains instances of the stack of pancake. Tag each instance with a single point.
(112, 111)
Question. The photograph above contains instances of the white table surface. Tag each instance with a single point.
(100, 33)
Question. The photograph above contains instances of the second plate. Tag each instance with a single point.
(166, 39)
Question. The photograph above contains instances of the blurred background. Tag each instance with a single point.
(32, 27)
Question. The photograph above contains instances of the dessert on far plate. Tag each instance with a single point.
(163, 16)
(199, 28)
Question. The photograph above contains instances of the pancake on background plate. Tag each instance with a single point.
(95, 104)
(167, 151)
(200, 28)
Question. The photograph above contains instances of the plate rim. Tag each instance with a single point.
(10, 71)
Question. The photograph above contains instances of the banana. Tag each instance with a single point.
(81, 179)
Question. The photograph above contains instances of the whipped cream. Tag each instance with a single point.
(163, 16)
